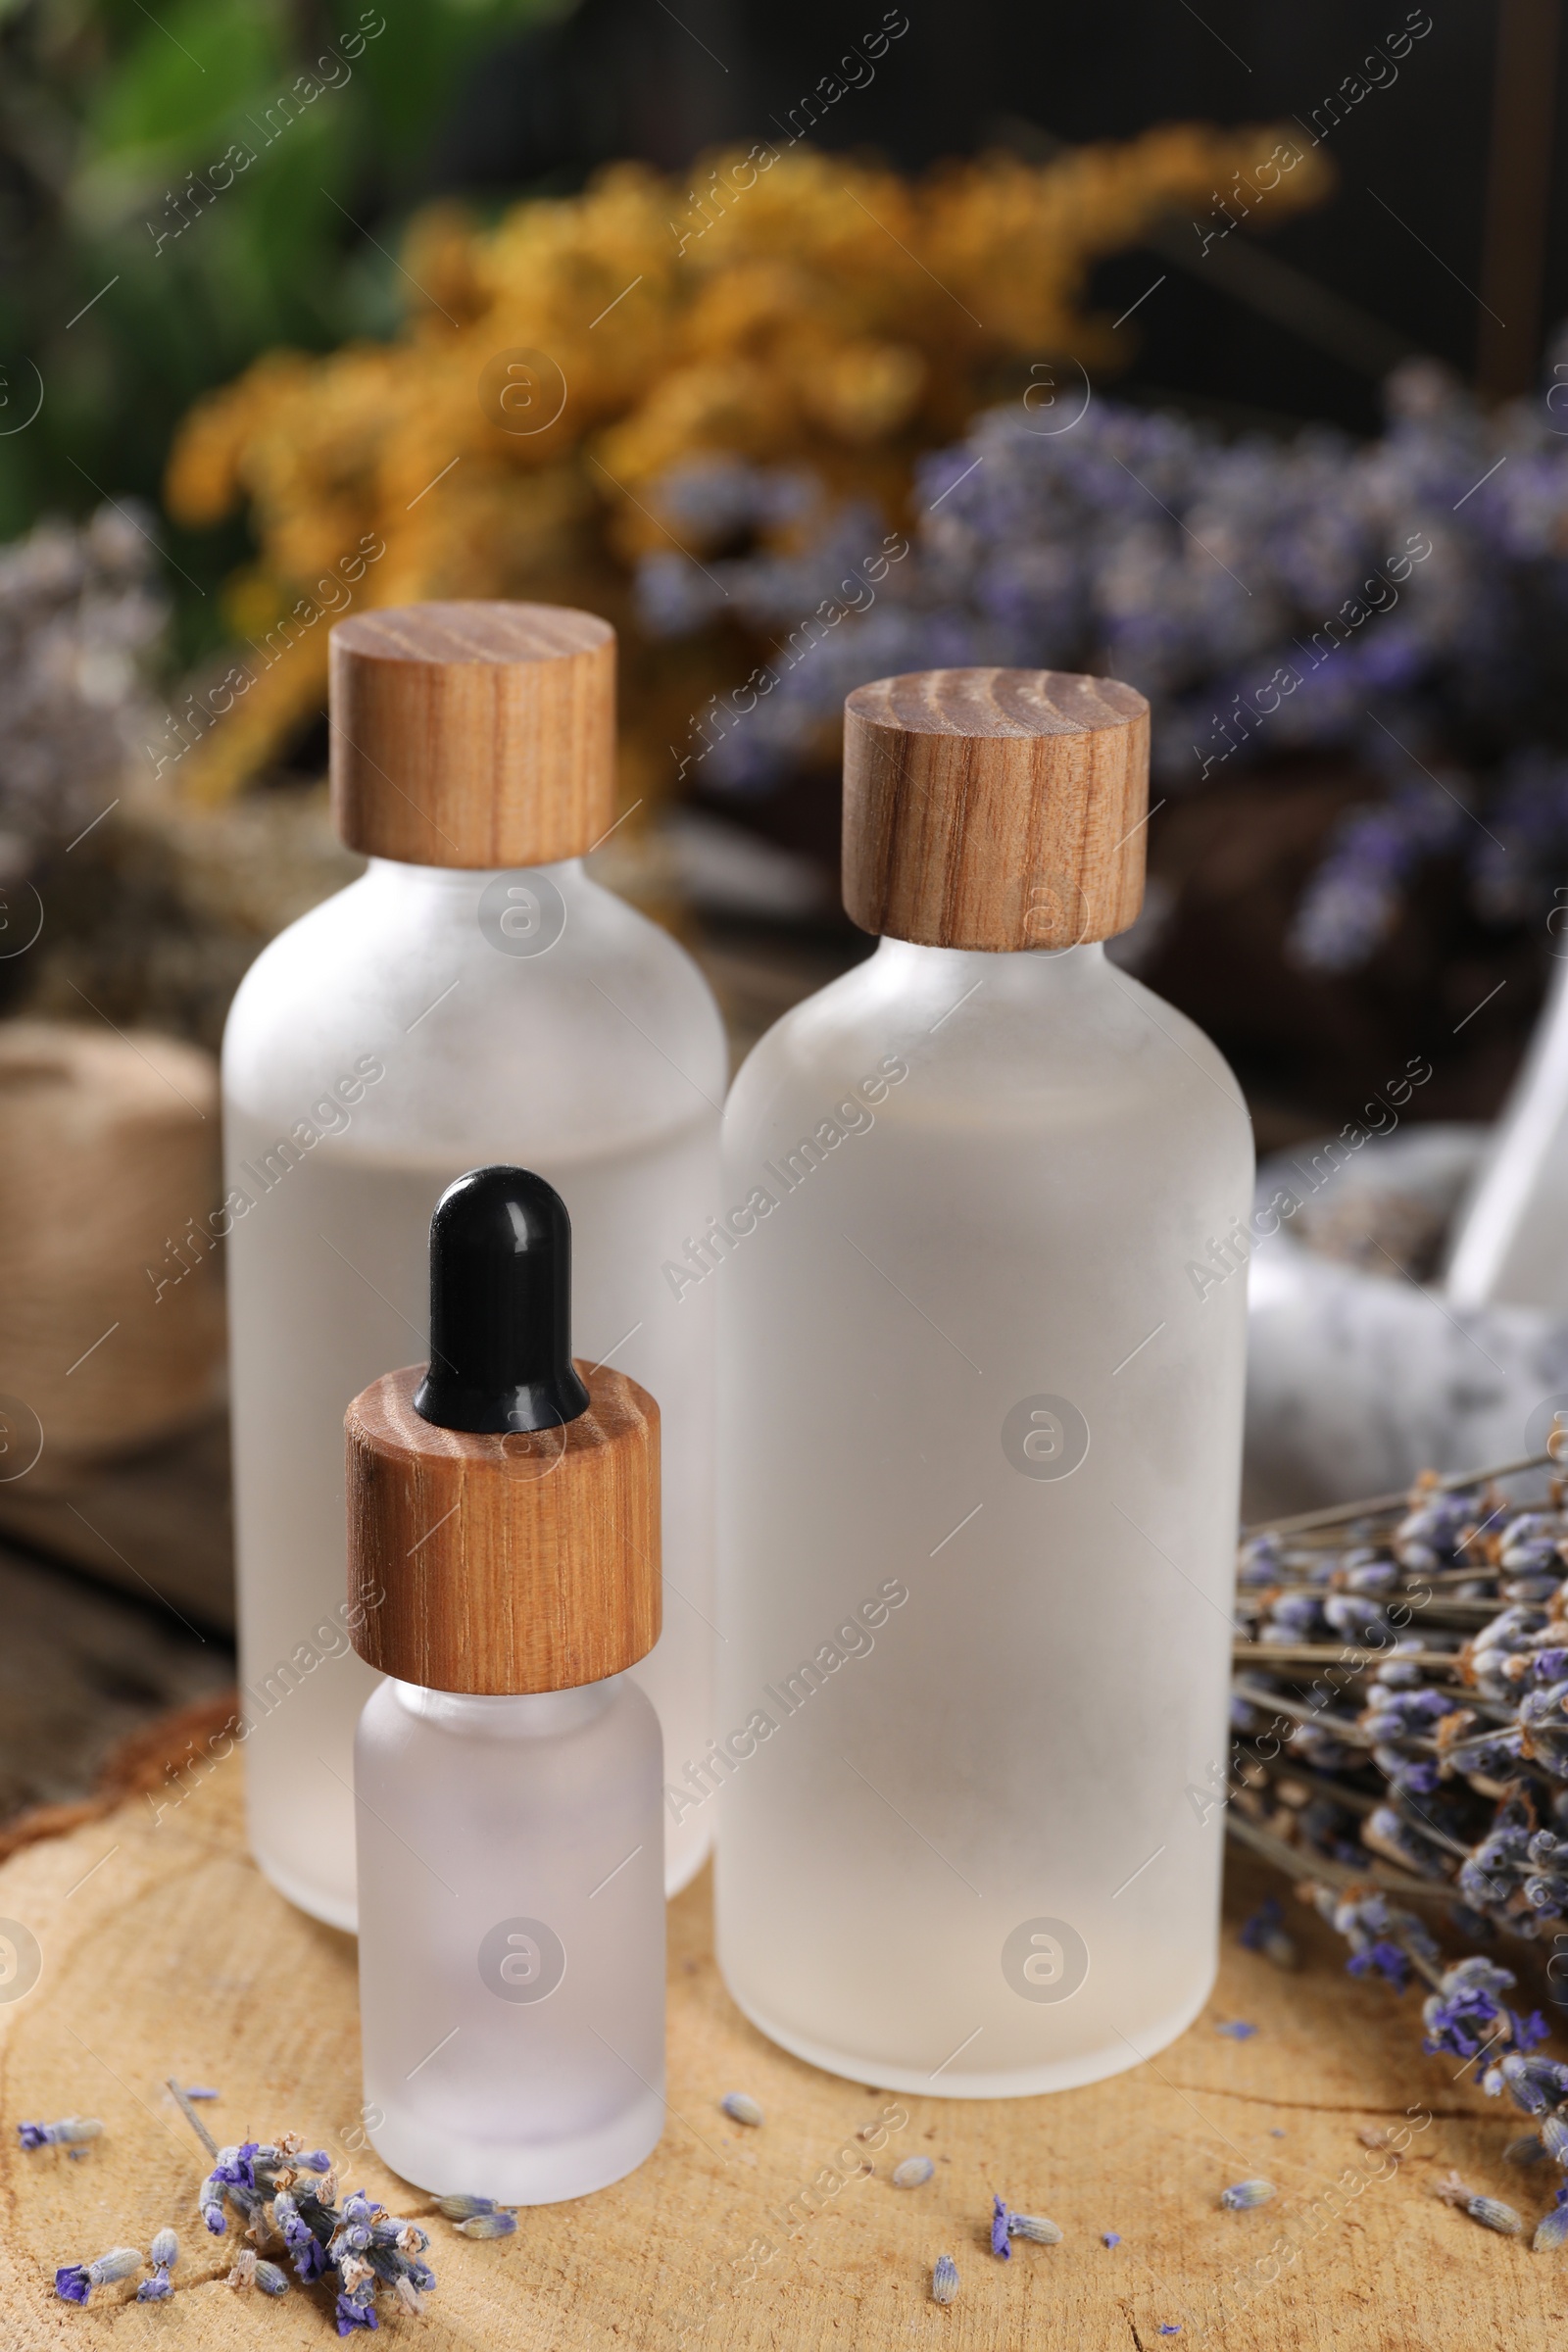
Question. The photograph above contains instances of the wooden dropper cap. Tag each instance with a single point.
(474, 735)
(503, 1503)
(999, 808)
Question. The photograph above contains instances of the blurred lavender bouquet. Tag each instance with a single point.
(1401, 602)
(79, 611)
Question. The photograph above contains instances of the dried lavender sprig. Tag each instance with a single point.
(1490, 2212)
(70, 2132)
(76, 2281)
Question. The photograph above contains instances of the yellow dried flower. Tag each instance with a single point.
(554, 366)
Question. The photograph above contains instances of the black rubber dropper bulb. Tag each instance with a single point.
(500, 1306)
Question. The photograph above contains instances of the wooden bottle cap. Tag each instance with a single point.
(477, 735)
(999, 808)
(504, 1565)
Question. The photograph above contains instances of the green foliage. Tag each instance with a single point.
(210, 181)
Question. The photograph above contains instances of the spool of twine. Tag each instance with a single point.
(109, 1174)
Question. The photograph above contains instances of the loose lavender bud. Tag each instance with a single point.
(944, 2279)
(488, 2225)
(1490, 2212)
(999, 2229)
(202, 2091)
(157, 2288)
(165, 2248)
(1245, 2194)
(913, 2173)
(75, 2282)
(270, 2279)
(463, 2209)
(1552, 2231)
(1529, 2150)
(1555, 2137)
(740, 2108)
(70, 2132)
(1035, 2227)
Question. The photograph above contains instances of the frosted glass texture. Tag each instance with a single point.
(1510, 1241)
(511, 1937)
(595, 1057)
(980, 1438)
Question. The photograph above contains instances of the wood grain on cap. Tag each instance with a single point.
(995, 809)
(499, 1564)
(473, 734)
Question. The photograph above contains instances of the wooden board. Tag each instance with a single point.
(164, 1951)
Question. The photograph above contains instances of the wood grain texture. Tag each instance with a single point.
(174, 1956)
(495, 1564)
(478, 735)
(995, 808)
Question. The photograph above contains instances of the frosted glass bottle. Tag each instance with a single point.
(980, 1439)
(511, 1937)
(504, 1572)
(1510, 1239)
(428, 1018)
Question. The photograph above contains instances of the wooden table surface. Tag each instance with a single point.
(164, 1951)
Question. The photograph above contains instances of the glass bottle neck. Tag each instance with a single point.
(391, 876)
(531, 1715)
(943, 977)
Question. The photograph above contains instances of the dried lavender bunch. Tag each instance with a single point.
(281, 2191)
(1244, 585)
(79, 610)
(1403, 1700)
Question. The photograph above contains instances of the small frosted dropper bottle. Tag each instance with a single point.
(477, 997)
(504, 1548)
(980, 1431)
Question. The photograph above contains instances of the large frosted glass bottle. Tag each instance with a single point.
(476, 997)
(503, 1572)
(980, 1431)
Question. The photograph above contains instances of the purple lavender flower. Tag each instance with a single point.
(76, 2281)
(1382, 1958)
(70, 2132)
(998, 2230)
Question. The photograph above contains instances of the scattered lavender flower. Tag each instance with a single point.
(1245, 2194)
(69, 2132)
(162, 2254)
(1035, 2227)
(462, 2209)
(740, 2108)
(1552, 2231)
(999, 2220)
(1110, 2237)
(1265, 1932)
(1490, 2212)
(944, 2279)
(1237, 2030)
(913, 2173)
(76, 2281)
(270, 2279)
(193, 2093)
(1170, 2328)
(488, 2225)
